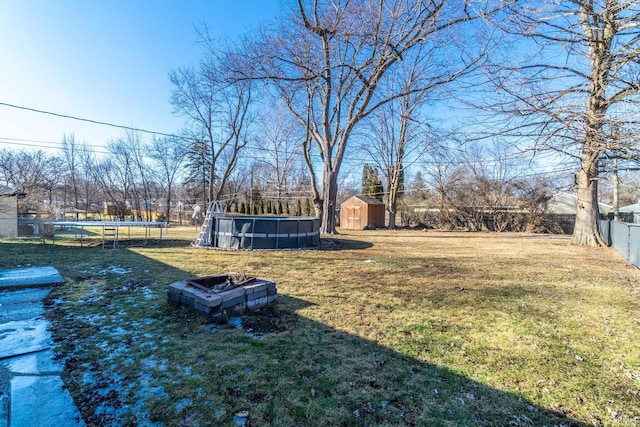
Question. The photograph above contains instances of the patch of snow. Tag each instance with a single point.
(115, 269)
(184, 403)
(236, 322)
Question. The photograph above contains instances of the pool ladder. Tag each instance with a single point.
(204, 237)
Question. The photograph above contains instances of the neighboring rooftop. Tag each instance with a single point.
(10, 191)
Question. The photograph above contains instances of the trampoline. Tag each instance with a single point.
(110, 229)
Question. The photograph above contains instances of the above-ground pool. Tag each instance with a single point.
(264, 232)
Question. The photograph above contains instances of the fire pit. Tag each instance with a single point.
(222, 296)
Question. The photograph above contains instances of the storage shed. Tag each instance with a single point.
(9, 211)
(359, 212)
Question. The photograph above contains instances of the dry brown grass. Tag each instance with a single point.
(395, 328)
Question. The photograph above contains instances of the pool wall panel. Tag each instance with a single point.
(241, 232)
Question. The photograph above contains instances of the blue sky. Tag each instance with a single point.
(103, 60)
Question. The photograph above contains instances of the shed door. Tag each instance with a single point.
(354, 218)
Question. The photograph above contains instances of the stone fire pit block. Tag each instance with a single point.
(202, 295)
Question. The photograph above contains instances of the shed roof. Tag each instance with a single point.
(366, 199)
(9, 191)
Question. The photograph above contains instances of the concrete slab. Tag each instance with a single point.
(4, 408)
(24, 336)
(29, 277)
(38, 363)
(28, 408)
(22, 304)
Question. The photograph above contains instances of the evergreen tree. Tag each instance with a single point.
(198, 164)
(280, 207)
(243, 209)
(308, 210)
(298, 211)
(371, 184)
(256, 195)
(419, 187)
(269, 207)
(287, 210)
(235, 207)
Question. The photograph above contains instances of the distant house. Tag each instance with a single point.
(567, 204)
(561, 211)
(630, 213)
(9, 211)
(359, 212)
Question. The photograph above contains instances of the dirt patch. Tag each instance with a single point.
(269, 320)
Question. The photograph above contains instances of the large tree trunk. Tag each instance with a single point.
(586, 230)
(167, 211)
(392, 218)
(330, 193)
(318, 205)
(394, 187)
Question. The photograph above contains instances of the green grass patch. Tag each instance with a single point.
(395, 328)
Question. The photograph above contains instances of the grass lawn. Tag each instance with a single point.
(396, 328)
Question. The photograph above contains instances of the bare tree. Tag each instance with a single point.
(70, 150)
(168, 154)
(576, 84)
(35, 173)
(397, 135)
(90, 190)
(77, 162)
(140, 174)
(327, 60)
(493, 169)
(279, 150)
(418, 205)
(444, 177)
(238, 186)
(486, 185)
(219, 113)
(115, 175)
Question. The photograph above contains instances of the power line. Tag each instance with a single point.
(97, 122)
(54, 145)
(42, 142)
(103, 123)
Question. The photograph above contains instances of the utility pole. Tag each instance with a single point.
(616, 184)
